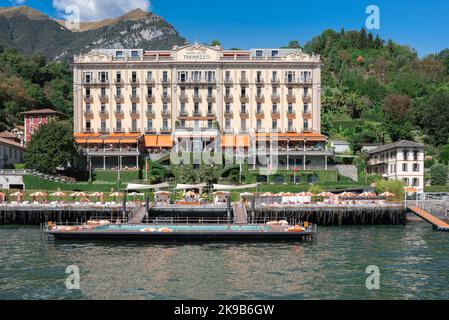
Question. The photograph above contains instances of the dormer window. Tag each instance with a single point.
(274, 53)
(259, 53)
(119, 54)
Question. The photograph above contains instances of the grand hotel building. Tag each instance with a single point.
(133, 104)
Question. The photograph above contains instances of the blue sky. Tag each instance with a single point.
(266, 23)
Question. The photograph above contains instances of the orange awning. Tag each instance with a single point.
(150, 141)
(242, 141)
(227, 141)
(165, 141)
(95, 141)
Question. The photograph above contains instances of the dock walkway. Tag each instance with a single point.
(437, 224)
(240, 216)
(138, 217)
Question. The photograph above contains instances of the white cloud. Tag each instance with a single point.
(17, 2)
(93, 10)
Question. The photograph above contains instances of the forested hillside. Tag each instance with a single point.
(379, 91)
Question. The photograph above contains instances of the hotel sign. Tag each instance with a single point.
(197, 53)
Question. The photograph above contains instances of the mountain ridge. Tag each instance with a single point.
(29, 31)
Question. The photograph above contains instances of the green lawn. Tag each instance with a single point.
(436, 189)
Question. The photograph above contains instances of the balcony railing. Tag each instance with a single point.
(210, 98)
(291, 98)
(275, 81)
(228, 98)
(119, 130)
(165, 81)
(103, 130)
(134, 81)
(166, 113)
(119, 114)
(275, 98)
(197, 98)
(150, 81)
(244, 81)
(165, 97)
(307, 98)
(119, 98)
(165, 130)
(210, 113)
(183, 98)
(118, 81)
(88, 98)
(150, 114)
(228, 81)
(134, 130)
(260, 98)
(134, 114)
(259, 81)
(88, 130)
(134, 98)
(244, 98)
(150, 98)
(103, 114)
(183, 113)
(150, 130)
(197, 113)
(228, 114)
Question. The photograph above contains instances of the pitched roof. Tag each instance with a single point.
(11, 143)
(398, 144)
(43, 111)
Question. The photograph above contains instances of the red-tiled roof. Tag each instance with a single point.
(43, 111)
(11, 143)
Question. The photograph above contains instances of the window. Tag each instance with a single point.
(274, 76)
(118, 107)
(196, 107)
(415, 167)
(134, 54)
(228, 76)
(134, 92)
(118, 76)
(134, 125)
(183, 107)
(103, 92)
(306, 108)
(88, 125)
(275, 108)
(404, 167)
(31, 119)
(196, 91)
(150, 76)
(243, 75)
(149, 125)
(134, 76)
(405, 155)
(103, 108)
(228, 124)
(228, 108)
(209, 108)
(196, 124)
(165, 124)
(415, 182)
(274, 53)
(118, 92)
(183, 123)
(243, 125)
(209, 124)
(87, 107)
(416, 155)
(118, 125)
(164, 76)
(290, 108)
(150, 108)
(405, 181)
(259, 76)
(274, 124)
(259, 108)
(227, 91)
(290, 124)
(259, 124)
(164, 108)
(119, 54)
(259, 53)
(243, 108)
(134, 108)
(87, 92)
(306, 125)
(103, 125)
(150, 92)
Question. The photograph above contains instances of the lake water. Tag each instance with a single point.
(413, 262)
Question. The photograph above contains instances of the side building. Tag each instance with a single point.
(402, 160)
(134, 104)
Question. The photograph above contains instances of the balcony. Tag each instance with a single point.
(291, 114)
(165, 81)
(118, 81)
(166, 113)
(165, 130)
(150, 130)
(244, 98)
(150, 114)
(306, 130)
(228, 81)
(275, 130)
(134, 98)
(103, 98)
(183, 98)
(307, 115)
(291, 98)
(197, 98)
(259, 82)
(134, 130)
(88, 114)
(134, 81)
(119, 114)
(275, 98)
(119, 98)
(103, 114)
(211, 81)
(260, 115)
(103, 130)
(291, 130)
(244, 114)
(210, 98)
(228, 114)
(210, 113)
(306, 98)
(260, 98)
(88, 98)
(275, 115)
(134, 114)
(228, 98)
(88, 130)
(150, 81)
(119, 130)
(275, 81)
(165, 97)
(150, 98)
(244, 81)
(197, 113)
(183, 113)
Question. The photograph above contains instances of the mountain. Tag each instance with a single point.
(32, 32)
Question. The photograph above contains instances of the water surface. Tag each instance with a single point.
(413, 260)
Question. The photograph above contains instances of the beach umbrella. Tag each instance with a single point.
(347, 194)
(246, 194)
(58, 194)
(95, 194)
(388, 194)
(368, 194)
(289, 194)
(116, 194)
(189, 194)
(38, 194)
(326, 194)
(305, 194)
(267, 194)
(74, 194)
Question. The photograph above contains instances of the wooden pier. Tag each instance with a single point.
(436, 223)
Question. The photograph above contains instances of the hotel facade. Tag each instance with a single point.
(131, 105)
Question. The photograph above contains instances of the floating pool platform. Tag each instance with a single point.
(191, 232)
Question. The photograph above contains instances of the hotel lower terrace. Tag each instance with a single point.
(136, 104)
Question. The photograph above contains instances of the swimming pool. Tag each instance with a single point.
(180, 228)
